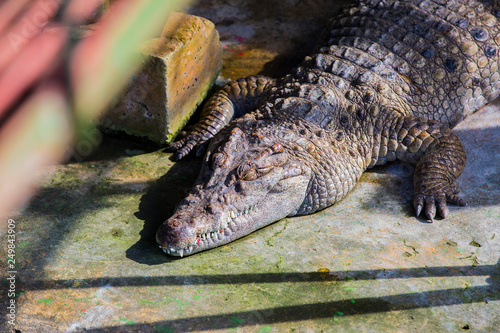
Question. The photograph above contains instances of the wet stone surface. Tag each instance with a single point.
(87, 260)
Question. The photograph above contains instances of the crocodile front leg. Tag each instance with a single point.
(435, 175)
(438, 154)
(231, 101)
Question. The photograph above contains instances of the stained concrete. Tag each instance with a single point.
(87, 261)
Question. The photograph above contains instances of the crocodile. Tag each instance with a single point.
(387, 81)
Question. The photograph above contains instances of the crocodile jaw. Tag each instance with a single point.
(213, 230)
(192, 230)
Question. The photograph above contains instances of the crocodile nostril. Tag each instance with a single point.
(209, 209)
(246, 171)
(218, 160)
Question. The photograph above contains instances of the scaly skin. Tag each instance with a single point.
(388, 82)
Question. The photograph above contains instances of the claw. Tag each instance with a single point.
(441, 207)
(443, 211)
(430, 208)
(179, 155)
(418, 203)
(185, 150)
(430, 217)
(418, 209)
(174, 146)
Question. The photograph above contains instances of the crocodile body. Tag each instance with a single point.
(388, 81)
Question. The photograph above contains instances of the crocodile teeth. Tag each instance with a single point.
(226, 229)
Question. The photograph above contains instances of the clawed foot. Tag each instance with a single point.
(187, 143)
(436, 201)
(181, 148)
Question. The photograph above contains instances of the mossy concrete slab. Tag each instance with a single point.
(179, 68)
(87, 259)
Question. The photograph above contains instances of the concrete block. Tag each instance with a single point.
(179, 68)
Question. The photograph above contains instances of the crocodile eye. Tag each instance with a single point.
(247, 171)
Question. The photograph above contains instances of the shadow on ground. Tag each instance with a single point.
(349, 307)
(157, 205)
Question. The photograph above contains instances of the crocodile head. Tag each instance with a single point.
(248, 180)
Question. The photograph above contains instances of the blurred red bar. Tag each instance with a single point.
(35, 60)
(9, 10)
(25, 28)
(78, 11)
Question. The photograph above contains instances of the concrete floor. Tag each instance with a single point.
(87, 260)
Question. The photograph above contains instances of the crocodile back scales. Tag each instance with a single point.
(435, 59)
